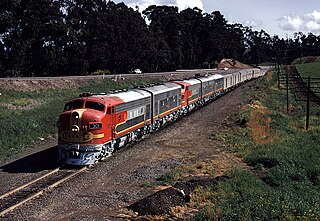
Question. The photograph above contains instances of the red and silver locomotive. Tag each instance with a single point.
(93, 126)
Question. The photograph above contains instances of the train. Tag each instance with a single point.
(95, 125)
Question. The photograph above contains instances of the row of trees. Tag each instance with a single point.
(78, 37)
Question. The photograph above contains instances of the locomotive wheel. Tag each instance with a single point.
(107, 150)
(110, 149)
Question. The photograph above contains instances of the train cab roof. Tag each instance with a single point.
(113, 98)
(192, 81)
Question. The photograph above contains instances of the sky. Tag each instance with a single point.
(276, 17)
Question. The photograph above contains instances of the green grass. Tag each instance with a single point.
(284, 183)
(172, 176)
(21, 127)
(179, 171)
(309, 69)
(246, 197)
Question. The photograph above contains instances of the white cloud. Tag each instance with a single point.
(291, 23)
(313, 26)
(253, 23)
(315, 16)
(181, 4)
(306, 23)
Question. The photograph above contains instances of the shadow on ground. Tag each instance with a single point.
(44, 160)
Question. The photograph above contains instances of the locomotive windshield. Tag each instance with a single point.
(94, 105)
(76, 104)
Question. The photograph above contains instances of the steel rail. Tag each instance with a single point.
(28, 184)
(40, 192)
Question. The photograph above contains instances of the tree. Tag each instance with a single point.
(259, 45)
(193, 27)
(31, 31)
(166, 30)
(10, 35)
(128, 38)
(77, 37)
(2, 60)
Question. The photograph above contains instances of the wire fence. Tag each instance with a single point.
(305, 89)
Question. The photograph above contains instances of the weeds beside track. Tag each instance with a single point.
(284, 183)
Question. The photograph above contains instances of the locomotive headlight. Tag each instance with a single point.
(95, 126)
(75, 115)
(75, 129)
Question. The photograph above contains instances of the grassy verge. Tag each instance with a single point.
(309, 69)
(284, 183)
(27, 117)
(198, 168)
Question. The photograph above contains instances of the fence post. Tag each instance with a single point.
(308, 105)
(278, 76)
(287, 82)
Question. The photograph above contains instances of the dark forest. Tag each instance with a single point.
(80, 37)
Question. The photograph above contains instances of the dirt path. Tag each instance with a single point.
(118, 181)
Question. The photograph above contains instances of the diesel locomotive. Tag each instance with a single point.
(93, 126)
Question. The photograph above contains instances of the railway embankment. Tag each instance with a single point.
(282, 177)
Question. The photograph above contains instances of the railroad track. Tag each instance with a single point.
(25, 193)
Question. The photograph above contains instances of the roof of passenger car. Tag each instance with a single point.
(162, 88)
(211, 77)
